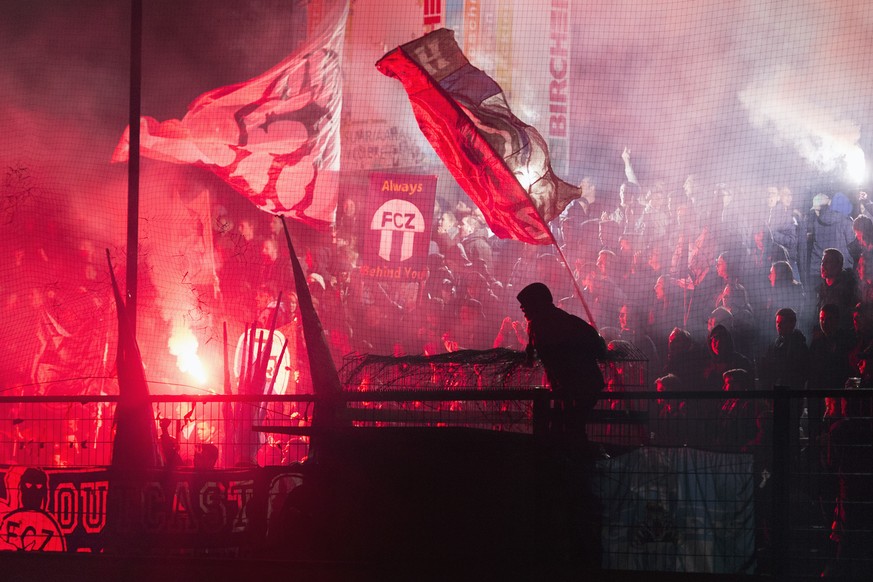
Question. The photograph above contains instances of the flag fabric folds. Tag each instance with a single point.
(135, 446)
(501, 162)
(325, 378)
(274, 138)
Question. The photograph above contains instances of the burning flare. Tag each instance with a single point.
(183, 345)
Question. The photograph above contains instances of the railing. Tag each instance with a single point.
(686, 481)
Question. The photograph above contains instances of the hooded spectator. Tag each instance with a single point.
(723, 357)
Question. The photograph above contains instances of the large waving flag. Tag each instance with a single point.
(274, 138)
(501, 162)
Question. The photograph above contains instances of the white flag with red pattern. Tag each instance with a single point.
(274, 138)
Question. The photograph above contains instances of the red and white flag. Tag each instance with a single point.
(501, 162)
(274, 138)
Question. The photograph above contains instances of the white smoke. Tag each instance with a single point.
(823, 136)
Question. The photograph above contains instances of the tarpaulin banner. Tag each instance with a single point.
(678, 510)
(65, 509)
(398, 223)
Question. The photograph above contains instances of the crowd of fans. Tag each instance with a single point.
(695, 278)
(719, 287)
(722, 288)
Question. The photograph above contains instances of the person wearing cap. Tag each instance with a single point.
(720, 316)
(819, 201)
(569, 349)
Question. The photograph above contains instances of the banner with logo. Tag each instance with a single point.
(65, 510)
(398, 222)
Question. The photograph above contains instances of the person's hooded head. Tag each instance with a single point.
(841, 204)
(737, 380)
(534, 299)
(721, 343)
(679, 342)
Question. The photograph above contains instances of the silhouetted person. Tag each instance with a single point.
(849, 454)
(685, 359)
(205, 451)
(785, 364)
(670, 425)
(744, 425)
(569, 349)
(169, 446)
(630, 322)
(838, 286)
(723, 357)
(787, 357)
(829, 358)
(862, 322)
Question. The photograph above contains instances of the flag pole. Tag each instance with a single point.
(572, 278)
(133, 159)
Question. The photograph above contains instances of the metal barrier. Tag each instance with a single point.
(687, 481)
(700, 477)
(268, 430)
(76, 431)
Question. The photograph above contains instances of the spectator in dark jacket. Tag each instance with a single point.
(786, 360)
(569, 349)
(829, 351)
(831, 229)
(838, 286)
(785, 364)
(723, 357)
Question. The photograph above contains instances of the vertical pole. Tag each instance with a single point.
(781, 477)
(541, 401)
(133, 159)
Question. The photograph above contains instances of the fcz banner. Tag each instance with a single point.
(398, 222)
(65, 510)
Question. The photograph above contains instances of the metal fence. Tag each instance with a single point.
(685, 481)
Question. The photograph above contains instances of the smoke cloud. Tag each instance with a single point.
(747, 92)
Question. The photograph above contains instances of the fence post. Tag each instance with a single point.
(541, 411)
(781, 478)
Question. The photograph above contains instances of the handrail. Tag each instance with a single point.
(450, 394)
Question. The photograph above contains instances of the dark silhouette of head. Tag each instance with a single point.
(721, 342)
(535, 298)
(737, 380)
(34, 489)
